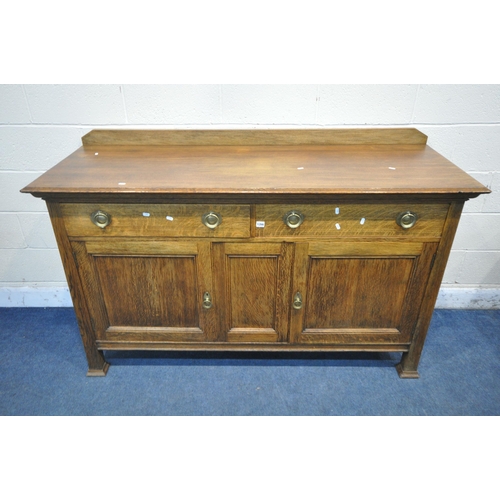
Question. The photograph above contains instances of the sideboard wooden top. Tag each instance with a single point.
(195, 162)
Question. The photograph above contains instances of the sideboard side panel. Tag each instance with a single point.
(97, 364)
(407, 368)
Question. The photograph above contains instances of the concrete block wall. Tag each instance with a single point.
(42, 124)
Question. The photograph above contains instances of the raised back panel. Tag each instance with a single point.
(267, 137)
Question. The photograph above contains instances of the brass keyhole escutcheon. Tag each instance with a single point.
(207, 300)
(100, 218)
(406, 219)
(297, 301)
(293, 219)
(211, 220)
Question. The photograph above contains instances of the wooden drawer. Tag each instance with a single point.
(169, 220)
(345, 220)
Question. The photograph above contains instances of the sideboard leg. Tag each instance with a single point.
(100, 371)
(406, 368)
(98, 366)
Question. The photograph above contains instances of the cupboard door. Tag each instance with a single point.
(147, 291)
(253, 285)
(355, 293)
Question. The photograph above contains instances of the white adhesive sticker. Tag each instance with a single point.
(337, 210)
(122, 183)
(146, 214)
(169, 217)
(337, 225)
(392, 168)
(260, 223)
(362, 221)
(300, 168)
(96, 154)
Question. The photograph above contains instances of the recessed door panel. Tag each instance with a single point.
(356, 292)
(361, 293)
(147, 291)
(254, 280)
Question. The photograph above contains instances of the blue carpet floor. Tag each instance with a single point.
(43, 367)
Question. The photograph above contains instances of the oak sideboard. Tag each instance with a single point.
(255, 240)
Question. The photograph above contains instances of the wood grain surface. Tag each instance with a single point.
(146, 290)
(359, 292)
(364, 220)
(256, 290)
(365, 283)
(253, 137)
(162, 220)
(255, 170)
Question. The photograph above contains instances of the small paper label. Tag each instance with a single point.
(169, 217)
(362, 221)
(122, 183)
(337, 210)
(337, 225)
(260, 223)
(146, 214)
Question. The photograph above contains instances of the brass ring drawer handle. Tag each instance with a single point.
(293, 219)
(406, 219)
(211, 220)
(100, 218)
